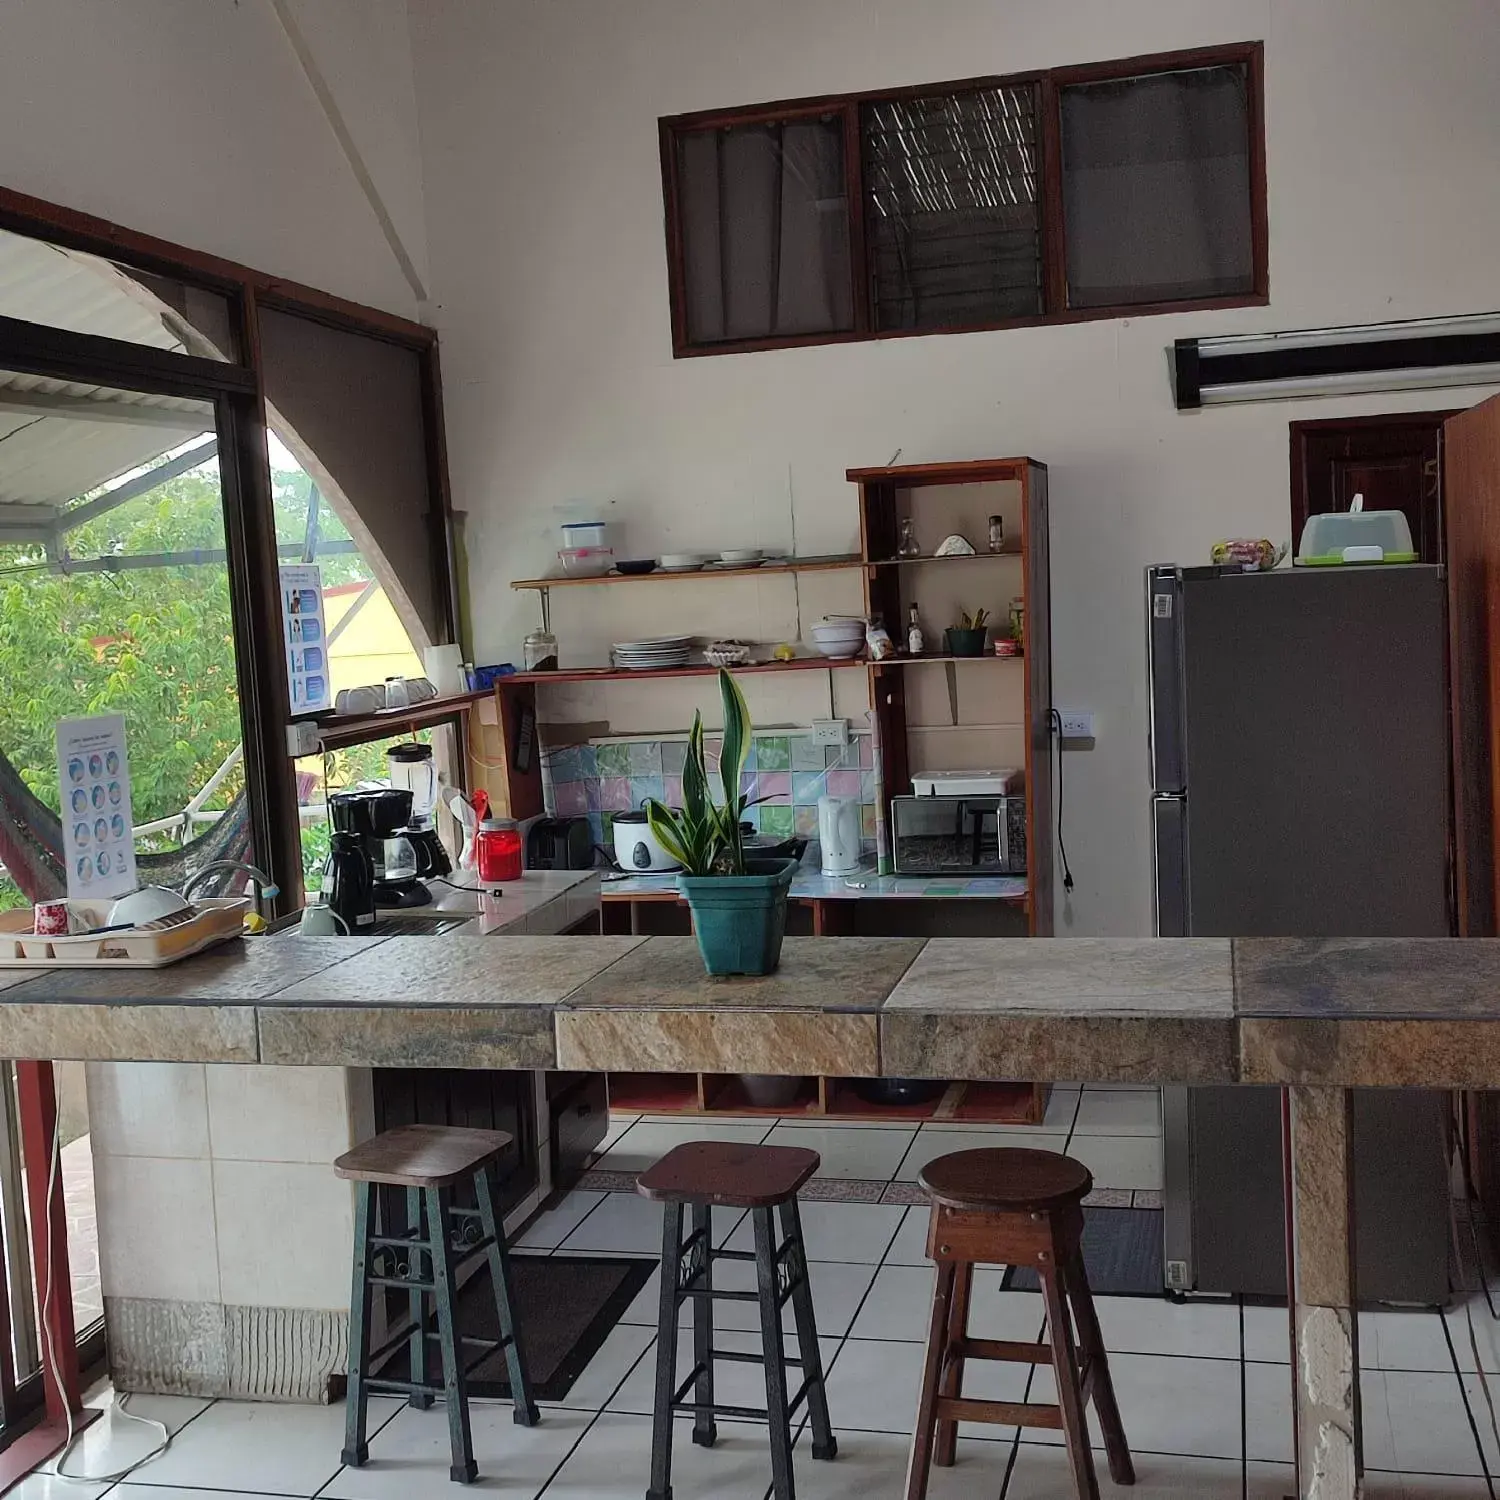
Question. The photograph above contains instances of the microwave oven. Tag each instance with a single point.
(958, 835)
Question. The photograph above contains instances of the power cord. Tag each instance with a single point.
(165, 1441)
(1057, 726)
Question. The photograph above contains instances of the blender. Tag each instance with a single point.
(410, 767)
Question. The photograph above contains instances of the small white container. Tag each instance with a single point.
(1355, 536)
(585, 534)
(586, 562)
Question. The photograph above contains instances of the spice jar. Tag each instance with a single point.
(539, 652)
(497, 850)
(1018, 621)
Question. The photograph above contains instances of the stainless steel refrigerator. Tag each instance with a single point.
(1300, 764)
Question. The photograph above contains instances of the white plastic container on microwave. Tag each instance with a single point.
(1355, 536)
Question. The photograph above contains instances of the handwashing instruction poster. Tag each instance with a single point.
(307, 676)
(94, 777)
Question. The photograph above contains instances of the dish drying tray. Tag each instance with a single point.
(153, 945)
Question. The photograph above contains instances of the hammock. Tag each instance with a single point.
(31, 842)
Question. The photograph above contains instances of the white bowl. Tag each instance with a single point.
(742, 555)
(148, 904)
(838, 648)
(833, 637)
(682, 562)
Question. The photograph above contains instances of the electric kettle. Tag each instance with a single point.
(839, 834)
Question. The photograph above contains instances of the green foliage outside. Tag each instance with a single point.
(154, 643)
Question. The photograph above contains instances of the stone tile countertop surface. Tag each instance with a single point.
(1192, 1010)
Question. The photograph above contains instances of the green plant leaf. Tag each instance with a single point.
(671, 833)
(732, 758)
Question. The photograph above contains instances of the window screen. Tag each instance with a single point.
(951, 208)
(1156, 188)
(765, 230)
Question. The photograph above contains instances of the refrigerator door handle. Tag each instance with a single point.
(1165, 678)
(1169, 836)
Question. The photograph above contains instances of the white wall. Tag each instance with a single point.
(544, 211)
(193, 120)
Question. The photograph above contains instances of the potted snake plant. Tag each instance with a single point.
(738, 904)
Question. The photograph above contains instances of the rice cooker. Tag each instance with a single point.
(637, 851)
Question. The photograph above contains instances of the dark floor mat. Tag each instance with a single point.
(1122, 1252)
(567, 1305)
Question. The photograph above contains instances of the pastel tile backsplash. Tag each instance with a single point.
(789, 772)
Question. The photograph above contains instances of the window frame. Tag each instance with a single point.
(237, 389)
(1047, 85)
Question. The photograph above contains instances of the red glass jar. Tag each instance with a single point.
(497, 850)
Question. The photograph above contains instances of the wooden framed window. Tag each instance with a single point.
(1131, 186)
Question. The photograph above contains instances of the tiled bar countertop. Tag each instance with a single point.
(1321, 1012)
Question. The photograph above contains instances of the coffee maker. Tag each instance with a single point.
(367, 827)
(409, 765)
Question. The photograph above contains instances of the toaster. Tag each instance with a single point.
(984, 835)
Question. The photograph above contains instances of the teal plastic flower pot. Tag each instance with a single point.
(965, 642)
(740, 920)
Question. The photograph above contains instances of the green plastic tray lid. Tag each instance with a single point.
(1356, 536)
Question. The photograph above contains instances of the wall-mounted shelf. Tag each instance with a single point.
(693, 669)
(1011, 549)
(923, 661)
(771, 568)
(340, 732)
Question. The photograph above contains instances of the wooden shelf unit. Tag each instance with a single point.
(885, 495)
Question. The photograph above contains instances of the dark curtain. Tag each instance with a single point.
(1156, 188)
(765, 231)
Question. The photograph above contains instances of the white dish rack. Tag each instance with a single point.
(150, 946)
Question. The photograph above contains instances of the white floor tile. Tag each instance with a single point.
(1275, 1482)
(859, 1232)
(647, 1141)
(162, 1492)
(873, 1387)
(628, 1224)
(868, 1154)
(1268, 1335)
(112, 1443)
(409, 1459)
(909, 1248)
(613, 1462)
(1429, 1424)
(1403, 1339)
(1422, 1487)
(616, 1358)
(618, 1125)
(735, 1384)
(1119, 1112)
(1481, 1411)
(900, 1307)
(872, 1466)
(1157, 1325)
(1042, 1473)
(1183, 1406)
(550, 1229)
(264, 1447)
(932, 1143)
(44, 1486)
(838, 1288)
(1119, 1161)
(1486, 1334)
(1268, 1413)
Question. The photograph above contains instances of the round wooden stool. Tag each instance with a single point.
(702, 1176)
(1017, 1208)
(429, 1161)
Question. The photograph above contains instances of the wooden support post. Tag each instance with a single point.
(1325, 1357)
(36, 1099)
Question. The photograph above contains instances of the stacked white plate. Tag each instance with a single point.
(647, 656)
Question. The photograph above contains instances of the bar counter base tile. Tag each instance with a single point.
(165, 1348)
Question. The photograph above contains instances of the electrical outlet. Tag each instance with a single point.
(1078, 725)
(830, 731)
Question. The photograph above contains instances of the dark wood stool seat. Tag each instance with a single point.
(699, 1177)
(1006, 1178)
(424, 1254)
(729, 1174)
(1023, 1208)
(422, 1156)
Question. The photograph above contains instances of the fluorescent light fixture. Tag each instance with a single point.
(1419, 354)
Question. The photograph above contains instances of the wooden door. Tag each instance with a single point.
(1393, 461)
(1471, 478)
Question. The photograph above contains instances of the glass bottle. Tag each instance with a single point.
(906, 546)
(916, 643)
(997, 533)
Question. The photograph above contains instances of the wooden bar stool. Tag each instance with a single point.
(1020, 1208)
(702, 1176)
(428, 1161)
